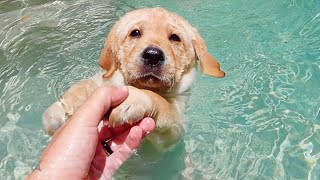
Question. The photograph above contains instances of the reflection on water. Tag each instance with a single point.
(261, 121)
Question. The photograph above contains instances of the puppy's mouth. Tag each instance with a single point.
(150, 81)
(152, 78)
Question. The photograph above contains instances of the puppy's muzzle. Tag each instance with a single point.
(153, 57)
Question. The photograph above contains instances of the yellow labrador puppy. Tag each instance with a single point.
(153, 52)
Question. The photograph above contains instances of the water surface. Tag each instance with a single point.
(259, 122)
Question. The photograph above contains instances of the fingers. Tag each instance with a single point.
(107, 133)
(116, 159)
(119, 134)
(92, 111)
(147, 125)
(131, 141)
(136, 133)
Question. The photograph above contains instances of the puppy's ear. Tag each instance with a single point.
(108, 58)
(209, 65)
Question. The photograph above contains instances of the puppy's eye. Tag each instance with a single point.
(135, 33)
(174, 37)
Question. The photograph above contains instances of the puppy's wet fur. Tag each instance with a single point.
(154, 52)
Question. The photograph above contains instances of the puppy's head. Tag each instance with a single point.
(154, 49)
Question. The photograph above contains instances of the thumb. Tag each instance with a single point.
(92, 111)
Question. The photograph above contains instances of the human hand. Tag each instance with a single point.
(76, 150)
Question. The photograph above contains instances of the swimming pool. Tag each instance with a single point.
(259, 122)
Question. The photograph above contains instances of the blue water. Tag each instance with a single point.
(259, 122)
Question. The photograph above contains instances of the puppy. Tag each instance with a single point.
(154, 52)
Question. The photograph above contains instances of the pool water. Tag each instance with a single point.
(259, 122)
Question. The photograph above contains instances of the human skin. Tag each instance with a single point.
(76, 150)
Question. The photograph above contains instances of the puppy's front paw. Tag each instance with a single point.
(53, 118)
(137, 106)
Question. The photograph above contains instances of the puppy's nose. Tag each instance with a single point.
(153, 56)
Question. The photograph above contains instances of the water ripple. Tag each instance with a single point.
(43, 49)
(264, 119)
(260, 121)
